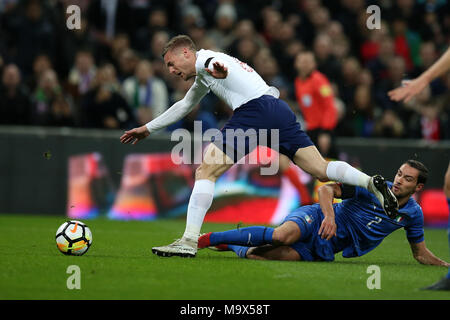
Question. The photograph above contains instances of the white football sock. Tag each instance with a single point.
(341, 171)
(199, 203)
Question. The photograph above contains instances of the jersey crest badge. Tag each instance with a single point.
(308, 219)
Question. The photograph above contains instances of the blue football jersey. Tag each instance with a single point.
(365, 225)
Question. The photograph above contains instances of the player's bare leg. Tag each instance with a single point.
(271, 252)
(286, 234)
(215, 163)
(311, 161)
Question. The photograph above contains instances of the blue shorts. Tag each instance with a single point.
(310, 246)
(255, 119)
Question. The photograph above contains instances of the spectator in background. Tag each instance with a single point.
(284, 35)
(305, 29)
(395, 75)
(326, 61)
(120, 43)
(267, 68)
(409, 11)
(103, 106)
(389, 125)
(41, 63)
(430, 123)
(379, 65)
(192, 16)
(290, 53)
(406, 43)
(106, 19)
(247, 49)
(225, 18)
(370, 48)
(81, 74)
(363, 110)
(159, 39)
(341, 48)
(198, 34)
(50, 106)
(350, 76)
(127, 63)
(15, 106)
(32, 31)
(146, 94)
(315, 98)
(320, 19)
(158, 20)
(271, 21)
(245, 29)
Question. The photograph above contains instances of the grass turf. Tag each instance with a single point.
(119, 265)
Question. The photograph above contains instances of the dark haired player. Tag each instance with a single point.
(354, 226)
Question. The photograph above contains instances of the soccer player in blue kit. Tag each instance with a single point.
(354, 226)
(256, 108)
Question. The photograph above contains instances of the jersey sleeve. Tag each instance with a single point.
(205, 60)
(179, 109)
(414, 229)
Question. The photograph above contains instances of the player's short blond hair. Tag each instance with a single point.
(179, 41)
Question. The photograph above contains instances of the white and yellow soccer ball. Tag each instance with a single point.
(73, 238)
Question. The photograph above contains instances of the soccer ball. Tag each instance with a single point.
(73, 238)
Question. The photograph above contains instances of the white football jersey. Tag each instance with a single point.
(241, 85)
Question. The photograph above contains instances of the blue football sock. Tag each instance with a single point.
(249, 236)
(241, 251)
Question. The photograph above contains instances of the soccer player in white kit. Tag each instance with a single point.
(255, 106)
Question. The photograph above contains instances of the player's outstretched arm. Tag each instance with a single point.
(327, 193)
(414, 87)
(424, 256)
(177, 111)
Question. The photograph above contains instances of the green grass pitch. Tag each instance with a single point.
(119, 265)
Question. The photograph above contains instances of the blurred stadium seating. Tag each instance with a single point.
(109, 74)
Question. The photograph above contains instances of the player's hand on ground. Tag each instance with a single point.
(408, 90)
(328, 228)
(134, 135)
(219, 71)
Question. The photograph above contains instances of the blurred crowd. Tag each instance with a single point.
(110, 73)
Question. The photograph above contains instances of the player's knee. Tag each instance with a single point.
(282, 237)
